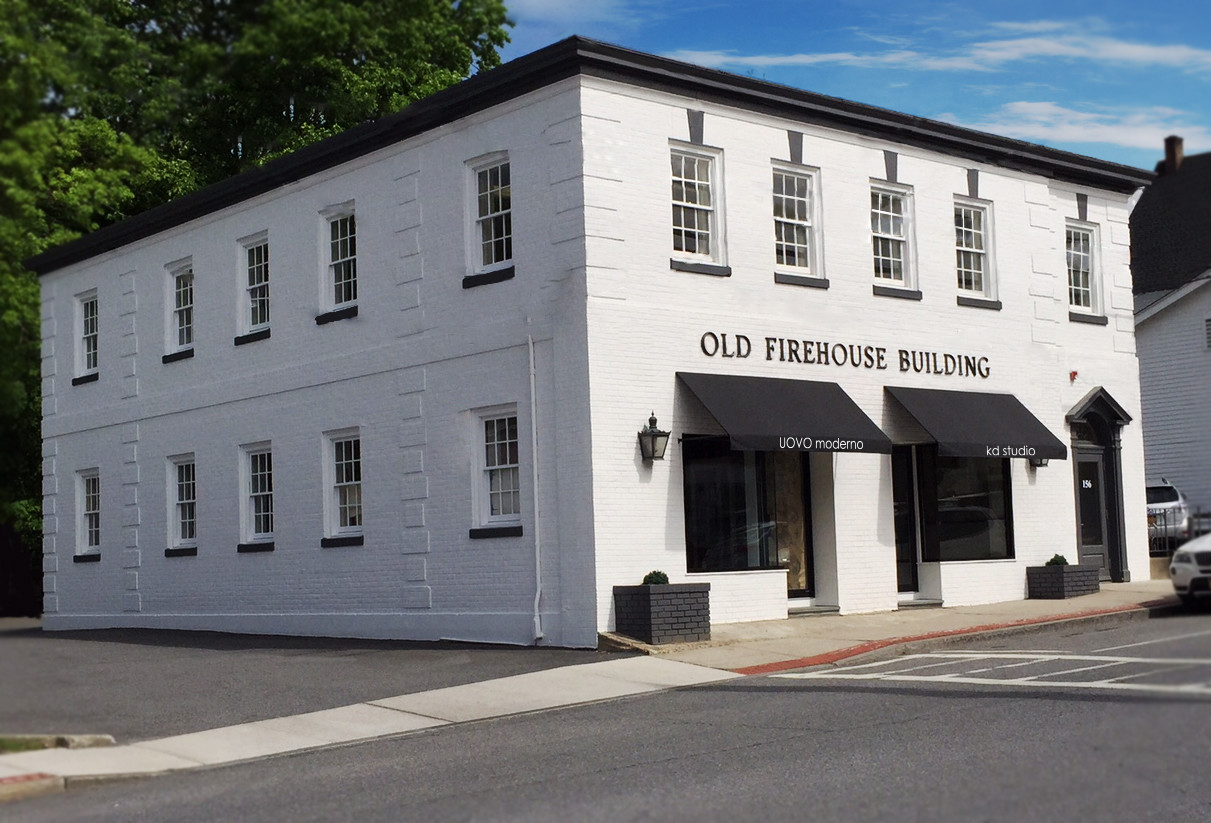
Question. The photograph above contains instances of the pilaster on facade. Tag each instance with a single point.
(50, 525)
(414, 490)
(410, 263)
(131, 557)
(50, 367)
(129, 345)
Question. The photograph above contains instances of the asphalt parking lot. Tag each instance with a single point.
(139, 684)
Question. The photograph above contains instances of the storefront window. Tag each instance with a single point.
(729, 508)
(963, 504)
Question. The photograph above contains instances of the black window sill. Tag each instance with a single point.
(86, 378)
(252, 548)
(91, 557)
(801, 280)
(700, 268)
(339, 542)
(978, 302)
(1093, 319)
(488, 278)
(252, 337)
(494, 531)
(337, 314)
(188, 551)
(896, 291)
(184, 354)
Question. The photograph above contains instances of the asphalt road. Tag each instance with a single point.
(138, 684)
(823, 748)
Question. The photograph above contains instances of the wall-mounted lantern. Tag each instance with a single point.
(1037, 462)
(653, 441)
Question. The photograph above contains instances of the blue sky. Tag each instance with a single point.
(1109, 79)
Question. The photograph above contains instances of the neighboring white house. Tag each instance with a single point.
(390, 386)
(1171, 267)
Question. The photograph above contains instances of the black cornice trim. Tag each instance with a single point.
(578, 55)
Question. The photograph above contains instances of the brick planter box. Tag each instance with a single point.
(1059, 582)
(665, 613)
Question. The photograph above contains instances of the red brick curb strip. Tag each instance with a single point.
(29, 785)
(875, 645)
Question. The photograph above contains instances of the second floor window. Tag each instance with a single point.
(889, 235)
(494, 214)
(258, 285)
(1079, 245)
(793, 230)
(693, 204)
(971, 248)
(343, 260)
(182, 313)
(88, 334)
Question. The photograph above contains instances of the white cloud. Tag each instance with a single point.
(1047, 122)
(568, 14)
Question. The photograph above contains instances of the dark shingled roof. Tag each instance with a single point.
(578, 56)
(1171, 228)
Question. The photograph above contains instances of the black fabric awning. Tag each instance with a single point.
(977, 424)
(776, 414)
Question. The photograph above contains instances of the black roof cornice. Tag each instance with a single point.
(568, 58)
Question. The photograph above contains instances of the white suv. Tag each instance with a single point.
(1190, 569)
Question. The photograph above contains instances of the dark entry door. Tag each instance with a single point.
(1091, 511)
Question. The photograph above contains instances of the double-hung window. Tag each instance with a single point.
(695, 222)
(494, 215)
(1080, 243)
(343, 515)
(973, 249)
(257, 513)
(183, 502)
(794, 229)
(342, 266)
(256, 283)
(88, 529)
(891, 236)
(87, 340)
(501, 470)
(181, 320)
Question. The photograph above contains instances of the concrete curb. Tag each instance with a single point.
(904, 645)
(21, 786)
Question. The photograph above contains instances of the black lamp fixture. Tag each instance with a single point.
(653, 441)
(1037, 462)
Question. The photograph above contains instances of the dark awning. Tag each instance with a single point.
(776, 414)
(978, 424)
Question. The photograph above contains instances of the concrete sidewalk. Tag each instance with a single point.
(735, 650)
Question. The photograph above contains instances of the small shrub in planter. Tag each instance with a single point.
(658, 611)
(1057, 579)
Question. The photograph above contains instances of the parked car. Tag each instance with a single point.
(1168, 512)
(1190, 569)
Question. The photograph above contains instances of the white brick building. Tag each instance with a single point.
(390, 386)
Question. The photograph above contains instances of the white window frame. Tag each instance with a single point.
(988, 287)
(180, 313)
(249, 290)
(497, 482)
(340, 260)
(883, 234)
(681, 203)
(182, 502)
(807, 217)
(1093, 288)
(251, 520)
(337, 481)
(488, 219)
(88, 506)
(88, 333)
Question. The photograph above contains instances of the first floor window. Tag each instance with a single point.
(346, 492)
(88, 333)
(793, 229)
(1079, 247)
(184, 502)
(494, 214)
(958, 508)
(889, 229)
(693, 199)
(89, 539)
(259, 494)
(971, 247)
(501, 477)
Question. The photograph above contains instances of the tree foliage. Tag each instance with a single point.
(109, 107)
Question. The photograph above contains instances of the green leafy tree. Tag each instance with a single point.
(110, 107)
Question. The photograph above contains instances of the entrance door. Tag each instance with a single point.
(904, 504)
(1091, 511)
